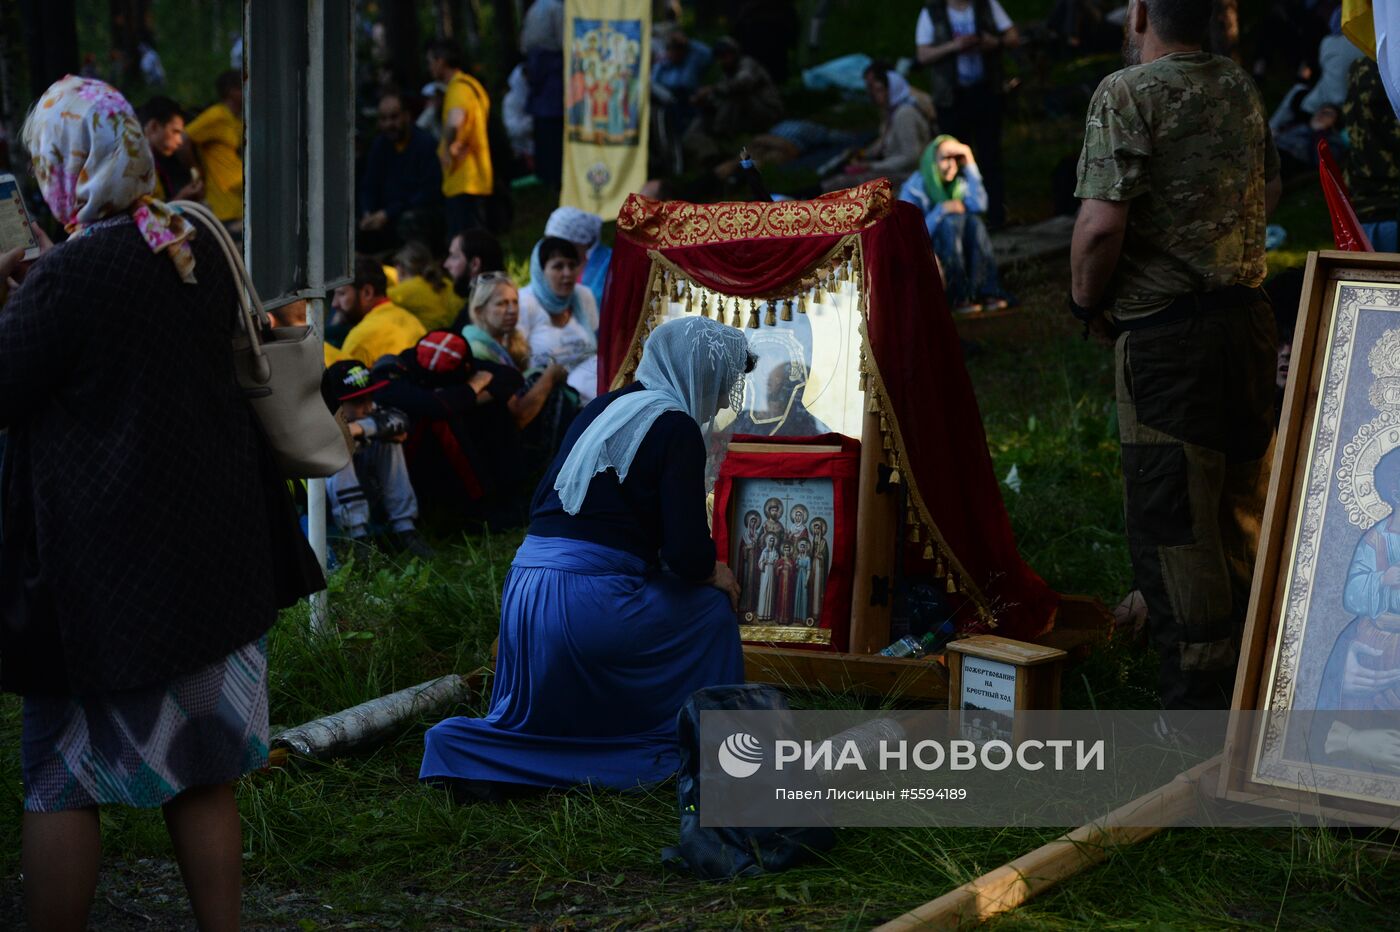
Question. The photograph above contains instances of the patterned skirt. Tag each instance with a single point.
(143, 747)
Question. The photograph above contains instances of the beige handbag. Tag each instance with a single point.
(279, 370)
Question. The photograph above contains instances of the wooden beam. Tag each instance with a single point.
(922, 679)
(877, 524)
(1012, 884)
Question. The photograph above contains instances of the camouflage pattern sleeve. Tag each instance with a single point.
(1271, 163)
(1113, 165)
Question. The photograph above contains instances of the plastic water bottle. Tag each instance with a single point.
(910, 646)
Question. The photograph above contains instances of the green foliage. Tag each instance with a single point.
(193, 40)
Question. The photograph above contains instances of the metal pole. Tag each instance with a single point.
(316, 255)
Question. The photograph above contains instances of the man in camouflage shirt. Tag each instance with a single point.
(1373, 157)
(1177, 177)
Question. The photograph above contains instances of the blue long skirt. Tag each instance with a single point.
(596, 657)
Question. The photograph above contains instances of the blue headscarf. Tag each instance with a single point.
(539, 287)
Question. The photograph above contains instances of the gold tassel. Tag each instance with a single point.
(894, 476)
(690, 304)
(753, 315)
(802, 303)
(928, 551)
(913, 533)
(769, 315)
(872, 404)
(817, 293)
(704, 304)
(787, 309)
(952, 586)
(864, 380)
(940, 566)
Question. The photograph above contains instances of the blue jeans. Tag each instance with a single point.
(374, 485)
(964, 248)
(1382, 235)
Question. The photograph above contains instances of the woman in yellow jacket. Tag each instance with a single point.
(423, 290)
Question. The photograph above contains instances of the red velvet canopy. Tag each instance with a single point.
(916, 378)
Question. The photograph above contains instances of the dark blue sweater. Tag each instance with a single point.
(659, 512)
(395, 181)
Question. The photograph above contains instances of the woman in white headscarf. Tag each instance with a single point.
(585, 231)
(615, 609)
(906, 125)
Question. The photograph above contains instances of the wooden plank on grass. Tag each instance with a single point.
(1012, 884)
(923, 679)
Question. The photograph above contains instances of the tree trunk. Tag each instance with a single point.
(507, 36)
(404, 42)
(1225, 29)
(127, 19)
(12, 89)
(51, 38)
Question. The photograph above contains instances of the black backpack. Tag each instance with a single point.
(725, 853)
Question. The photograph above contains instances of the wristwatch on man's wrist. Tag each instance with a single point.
(1086, 314)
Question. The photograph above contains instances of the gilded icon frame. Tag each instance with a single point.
(1340, 417)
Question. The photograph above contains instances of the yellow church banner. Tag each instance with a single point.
(607, 77)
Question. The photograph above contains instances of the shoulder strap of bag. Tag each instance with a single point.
(250, 305)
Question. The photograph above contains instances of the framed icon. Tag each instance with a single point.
(785, 523)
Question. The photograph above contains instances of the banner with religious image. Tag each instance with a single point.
(607, 69)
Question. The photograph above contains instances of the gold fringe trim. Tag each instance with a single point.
(843, 263)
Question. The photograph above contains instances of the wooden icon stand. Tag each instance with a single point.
(1080, 621)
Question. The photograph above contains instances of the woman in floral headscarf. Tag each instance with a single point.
(148, 541)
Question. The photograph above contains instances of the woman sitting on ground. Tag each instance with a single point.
(599, 644)
(559, 317)
(422, 289)
(906, 124)
(948, 189)
(494, 306)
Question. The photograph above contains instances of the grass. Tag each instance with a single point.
(362, 843)
(362, 837)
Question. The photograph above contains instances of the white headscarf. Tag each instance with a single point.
(900, 92)
(577, 226)
(688, 365)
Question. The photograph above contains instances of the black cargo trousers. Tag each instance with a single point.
(1196, 419)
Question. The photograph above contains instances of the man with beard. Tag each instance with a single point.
(401, 188)
(1177, 177)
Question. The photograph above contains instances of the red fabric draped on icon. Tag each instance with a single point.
(930, 418)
